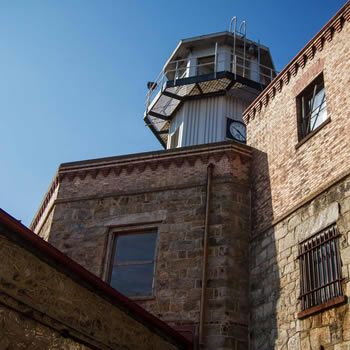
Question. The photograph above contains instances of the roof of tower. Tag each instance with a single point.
(186, 45)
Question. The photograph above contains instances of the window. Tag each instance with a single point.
(312, 107)
(205, 65)
(132, 267)
(174, 139)
(320, 271)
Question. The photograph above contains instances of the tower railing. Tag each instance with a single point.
(185, 68)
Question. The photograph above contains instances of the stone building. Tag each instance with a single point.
(47, 301)
(241, 246)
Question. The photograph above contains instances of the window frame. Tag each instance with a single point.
(203, 65)
(311, 90)
(112, 248)
(319, 259)
(175, 138)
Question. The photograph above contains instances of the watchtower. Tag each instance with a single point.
(204, 87)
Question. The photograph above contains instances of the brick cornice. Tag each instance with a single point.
(114, 166)
(316, 44)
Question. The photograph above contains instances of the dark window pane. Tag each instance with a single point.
(133, 279)
(136, 247)
(205, 65)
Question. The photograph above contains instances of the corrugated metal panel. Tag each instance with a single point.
(205, 119)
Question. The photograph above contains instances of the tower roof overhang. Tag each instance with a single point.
(185, 46)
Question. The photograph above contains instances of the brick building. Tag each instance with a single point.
(241, 246)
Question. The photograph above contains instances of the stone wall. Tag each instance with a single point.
(46, 304)
(298, 188)
(167, 190)
(275, 278)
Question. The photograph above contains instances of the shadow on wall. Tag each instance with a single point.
(265, 284)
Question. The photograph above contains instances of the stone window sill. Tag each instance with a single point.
(318, 308)
(312, 133)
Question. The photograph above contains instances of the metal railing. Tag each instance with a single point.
(238, 65)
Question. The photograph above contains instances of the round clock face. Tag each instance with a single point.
(238, 131)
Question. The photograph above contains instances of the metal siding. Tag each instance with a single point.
(204, 120)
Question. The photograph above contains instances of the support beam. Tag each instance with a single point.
(155, 132)
(158, 115)
(199, 88)
(170, 94)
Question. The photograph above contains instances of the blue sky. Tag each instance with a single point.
(73, 75)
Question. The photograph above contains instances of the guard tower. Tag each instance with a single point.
(204, 87)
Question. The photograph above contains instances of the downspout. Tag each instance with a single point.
(205, 256)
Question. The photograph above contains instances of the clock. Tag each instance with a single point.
(236, 130)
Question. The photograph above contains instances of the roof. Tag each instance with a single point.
(184, 44)
(334, 25)
(66, 265)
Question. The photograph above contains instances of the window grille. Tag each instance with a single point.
(320, 269)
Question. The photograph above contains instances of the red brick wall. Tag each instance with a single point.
(283, 176)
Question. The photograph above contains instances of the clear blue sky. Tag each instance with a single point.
(73, 74)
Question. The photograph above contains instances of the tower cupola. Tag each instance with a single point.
(204, 87)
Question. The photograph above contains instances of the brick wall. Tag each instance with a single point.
(297, 188)
(282, 175)
(168, 190)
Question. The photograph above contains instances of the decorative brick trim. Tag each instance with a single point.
(272, 93)
(43, 205)
(329, 34)
(259, 106)
(265, 100)
(347, 15)
(279, 85)
(317, 43)
(310, 52)
(286, 77)
(294, 69)
(153, 160)
(338, 24)
(302, 61)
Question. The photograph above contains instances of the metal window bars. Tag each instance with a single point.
(320, 269)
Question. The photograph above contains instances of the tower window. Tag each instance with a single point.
(205, 65)
(132, 266)
(320, 271)
(174, 139)
(312, 111)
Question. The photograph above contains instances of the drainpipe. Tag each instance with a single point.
(205, 257)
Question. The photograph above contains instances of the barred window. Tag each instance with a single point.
(320, 271)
